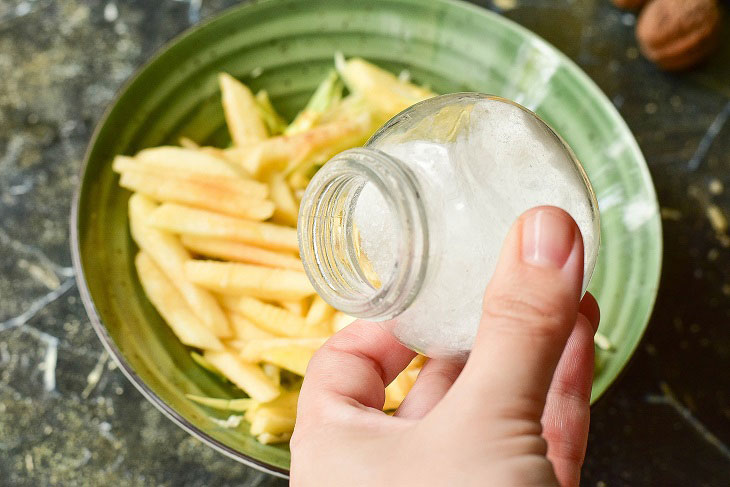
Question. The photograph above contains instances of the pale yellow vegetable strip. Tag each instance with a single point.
(418, 362)
(240, 252)
(241, 111)
(253, 350)
(327, 94)
(316, 145)
(188, 143)
(273, 319)
(172, 307)
(393, 397)
(412, 373)
(294, 359)
(398, 389)
(237, 279)
(269, 439)
(236, 155)
(381, 88)
(287, 400)
(320, 143)
(198, 161)
(200, 360)
(221, 154)
(341, 320)
(273, 372)
(169, 255)
(319, 312)
(274, 421)
(239, 405)
(298, 307)
(248, 377)
(192, 221)
(402, 384)
(235, 345)
(233, 184)
(287, 208)
(273, 121)
(272, 154)
(298, 180)
(245, 330)
(202, 194)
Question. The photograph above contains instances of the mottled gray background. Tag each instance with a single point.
(68, 417)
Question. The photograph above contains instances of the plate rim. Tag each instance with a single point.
(75, 237)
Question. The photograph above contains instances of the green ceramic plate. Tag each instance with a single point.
(287, 46)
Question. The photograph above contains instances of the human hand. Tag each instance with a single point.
(518, 412)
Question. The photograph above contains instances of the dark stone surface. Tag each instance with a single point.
(68, 417)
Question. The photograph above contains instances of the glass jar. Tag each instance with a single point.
(408, 228)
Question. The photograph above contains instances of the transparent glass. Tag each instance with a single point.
(407, 230)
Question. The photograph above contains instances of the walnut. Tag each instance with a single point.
(677, 34)
(629, 4)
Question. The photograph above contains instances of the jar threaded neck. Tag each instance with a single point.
(330, 244)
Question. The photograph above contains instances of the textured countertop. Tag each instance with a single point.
(68, 417)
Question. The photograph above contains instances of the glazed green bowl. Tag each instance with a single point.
(287, 46)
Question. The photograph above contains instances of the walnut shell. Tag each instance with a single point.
(629, 4)
(677, 34)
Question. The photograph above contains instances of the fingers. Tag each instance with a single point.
(530, 307)
(434, 380)
(353, 367)
(567, 410)
(589, 308)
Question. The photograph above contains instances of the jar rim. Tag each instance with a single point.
(326, 250)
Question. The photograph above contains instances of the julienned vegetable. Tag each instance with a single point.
(218, 249)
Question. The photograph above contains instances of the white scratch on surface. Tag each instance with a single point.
(37, 305)
(12, 151)
(668, 398)
(95, 375)
(4, 353)
(709, 137)
(49, 361)
(37, 253)
(194, 7)
(22, 9)
(22, 188)
(194, 11)
(41, 274)
(85, 457)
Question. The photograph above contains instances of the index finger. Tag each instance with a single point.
(353, 366)
(530, 309)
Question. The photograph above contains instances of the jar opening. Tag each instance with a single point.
(362, 234)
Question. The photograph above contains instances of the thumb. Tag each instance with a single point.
(530, 308)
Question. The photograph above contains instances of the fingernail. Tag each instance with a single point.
(547, 238)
